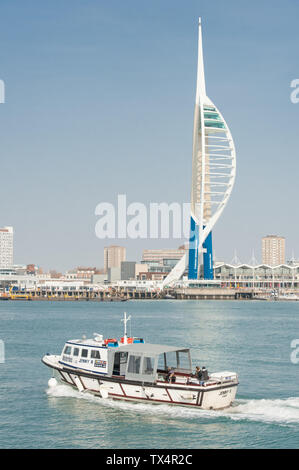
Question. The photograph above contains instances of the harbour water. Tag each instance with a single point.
(252, 338)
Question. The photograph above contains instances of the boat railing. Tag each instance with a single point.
(223, 379)
(188, 379)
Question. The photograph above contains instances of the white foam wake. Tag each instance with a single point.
(280, 411)
(275, 411)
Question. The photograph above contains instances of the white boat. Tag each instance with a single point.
(130, 369)
(288, 297)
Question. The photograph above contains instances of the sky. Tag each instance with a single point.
(99, 101)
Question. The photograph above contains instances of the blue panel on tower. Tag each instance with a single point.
(193, 250)
(208, 258)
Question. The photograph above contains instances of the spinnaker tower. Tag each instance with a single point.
(213, 176)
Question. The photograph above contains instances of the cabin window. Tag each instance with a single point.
(84, 353)
(76, 352)
(95, 354)
(148, 365)
(123, 357)
(134, 364)
(68, 350)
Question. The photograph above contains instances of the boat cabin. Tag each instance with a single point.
(136, 361)
(148, 362)
(89, 355)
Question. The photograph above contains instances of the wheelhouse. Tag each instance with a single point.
(148, 362)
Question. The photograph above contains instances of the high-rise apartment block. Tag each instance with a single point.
(273, 250)
(113, 256)
(6, 247)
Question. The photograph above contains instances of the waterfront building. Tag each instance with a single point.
(31, 269)
(158, 256)
(130, 270)
(85, 273)
(6, 247)
(160, 263)
(70, 275)
(55, 274)
(260, 276)
(152, 275)
(127, 270)
(99, 278)
(138, 286)
(114, 274)
(273, 250)
(17, 269)
(113, 256)
(140, 268)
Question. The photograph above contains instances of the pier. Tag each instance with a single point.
(113, 294)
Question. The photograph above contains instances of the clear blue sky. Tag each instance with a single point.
(99, 102)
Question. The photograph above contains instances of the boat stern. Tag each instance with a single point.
(220, 390)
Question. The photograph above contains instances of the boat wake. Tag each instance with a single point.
(280, 411)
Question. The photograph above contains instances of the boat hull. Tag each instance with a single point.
(217, 396)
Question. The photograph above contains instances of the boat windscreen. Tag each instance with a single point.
(184, 361)
(178, 360)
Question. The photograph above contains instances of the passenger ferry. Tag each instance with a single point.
(131, 369)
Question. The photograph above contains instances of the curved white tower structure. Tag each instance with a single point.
(213, 175)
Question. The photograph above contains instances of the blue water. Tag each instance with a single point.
(252, 338)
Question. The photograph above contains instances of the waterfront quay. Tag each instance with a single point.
(112, 294)
(230, 283)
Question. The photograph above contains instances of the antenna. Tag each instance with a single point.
(125, 320)
(201, 85)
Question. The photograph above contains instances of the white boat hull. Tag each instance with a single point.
(213, 396)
